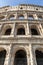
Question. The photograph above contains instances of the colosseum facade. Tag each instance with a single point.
(21, 35)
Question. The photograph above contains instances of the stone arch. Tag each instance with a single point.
(20, 57)
(8, 31)
(40, 17)
(2, 56)
(2, 17)
(21, 16)
(20, 30)
(6, 28)
(30, 17)
(34, 30)
(11, 17)
(39, 56)
(16, 48)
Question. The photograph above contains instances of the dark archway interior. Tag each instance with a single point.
(2, 57)
(11, 17)
(8, 31)
(21, 31)
(39, 57)
(34, 31)
(20, 58)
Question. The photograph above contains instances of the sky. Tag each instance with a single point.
(17, 2)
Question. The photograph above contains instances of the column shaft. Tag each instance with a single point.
(8, 57)
(27, 30)
(31, 54)
(12, 32)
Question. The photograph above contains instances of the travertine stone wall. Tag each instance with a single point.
(13, 42)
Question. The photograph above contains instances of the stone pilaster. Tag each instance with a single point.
(27, 30)
(40, 29)
(16, 16)
(12, 31)
(31, 54)
(8, 56)
(25, 16)
(28, 57)
(35, 16)
(0, 29)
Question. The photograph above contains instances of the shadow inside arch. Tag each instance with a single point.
(2, 56)
(20, 58)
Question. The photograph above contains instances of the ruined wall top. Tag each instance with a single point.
(27, 7)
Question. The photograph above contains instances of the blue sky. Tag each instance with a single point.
(17, 2)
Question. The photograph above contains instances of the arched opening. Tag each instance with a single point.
(21, 17)
(30, 17)
(11, 17)
(34, 31)
(39, 57)
(20, 58)
(8, 31)
(21, 7)
(2, 57)
(21, 31)
(2, 18)
(36, 8)
(40, 17)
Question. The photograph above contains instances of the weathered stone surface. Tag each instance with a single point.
(9, 18)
